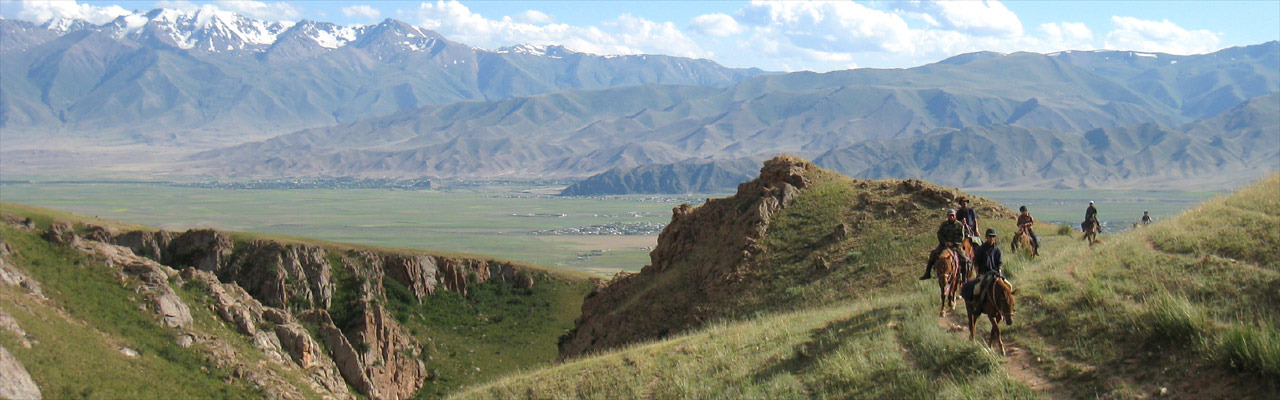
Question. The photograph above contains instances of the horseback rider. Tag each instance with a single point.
(1090, 218)
(950, 233)
(990, 263)
(968, 217)
(1025, 223)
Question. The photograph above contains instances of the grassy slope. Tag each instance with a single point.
(1104, 320)
(77, 355)
(459, 333)
(1199, 291)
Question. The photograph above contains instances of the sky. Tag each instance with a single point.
(771, 35)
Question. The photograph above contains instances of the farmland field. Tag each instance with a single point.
(496, 220)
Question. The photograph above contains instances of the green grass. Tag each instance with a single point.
(496, 329)
(458, 332)
(1189, 306)
(885, 348)
(1202, 288)
(476, 221)
(83, 361)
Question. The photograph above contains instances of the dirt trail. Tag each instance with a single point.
(1020, 364)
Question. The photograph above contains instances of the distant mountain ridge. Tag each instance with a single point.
(679, 178)
(207, 78)
(584, 132)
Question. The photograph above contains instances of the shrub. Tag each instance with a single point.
(1176, 321)
(1064, 230)
(1256, 350)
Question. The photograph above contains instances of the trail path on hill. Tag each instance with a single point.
(1020, 364)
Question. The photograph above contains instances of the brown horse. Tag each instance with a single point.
(997, 304)
(949, 275)
(1091, 232)
(1022, 240)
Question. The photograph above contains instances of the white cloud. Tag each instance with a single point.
(1159, 36)
(182, 5)
(979, 18)
(624, 35)
(1067, 36)
(361, 11)
(278, 11)
(719, 25)
(41, 11)
(830, 26)
(533, 17)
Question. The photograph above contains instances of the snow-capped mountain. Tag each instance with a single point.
(209, 77)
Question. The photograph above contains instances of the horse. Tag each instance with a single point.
(950, 276)
(1022, 239)
(1090, 232)
(997, 304)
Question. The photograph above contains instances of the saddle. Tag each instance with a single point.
(985, 282)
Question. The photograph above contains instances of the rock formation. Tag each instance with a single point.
(713, 262)
(257, 286)
(718, 237)
(15, 382)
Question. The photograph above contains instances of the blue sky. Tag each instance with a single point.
(773, 35)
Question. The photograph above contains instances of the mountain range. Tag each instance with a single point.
(208, 78)
(836, 117)
(215, 94)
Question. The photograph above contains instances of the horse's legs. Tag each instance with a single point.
(995, 336)
(942, 286)
(973, 318)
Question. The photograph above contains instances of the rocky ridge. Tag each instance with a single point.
(276, 295)
(716, 260)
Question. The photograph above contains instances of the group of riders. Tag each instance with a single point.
(962, 224)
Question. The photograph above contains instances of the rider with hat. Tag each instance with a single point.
(1090, 218)
(967, 216)
(950, 233)
(990, 264)
(1025, 222)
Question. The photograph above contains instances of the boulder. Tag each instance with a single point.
(15, 382)
(153, 245)
(295, 340)
(417, 273)
(204, 249)
(61, 233)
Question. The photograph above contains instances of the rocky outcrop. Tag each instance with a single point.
(347, 360)
(12, 276)
(716, 239)
(419, 274)
(279, 275)
(15, 382)
(718, 261)
(391, 359)
(257, 286)
(287, 342)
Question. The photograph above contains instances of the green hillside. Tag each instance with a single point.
(90, 306)
(1184, 307)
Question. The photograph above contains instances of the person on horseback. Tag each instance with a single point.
(968, 217)
(950, 233)
(1090, 218)
(990, 263)
(1025, 223)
